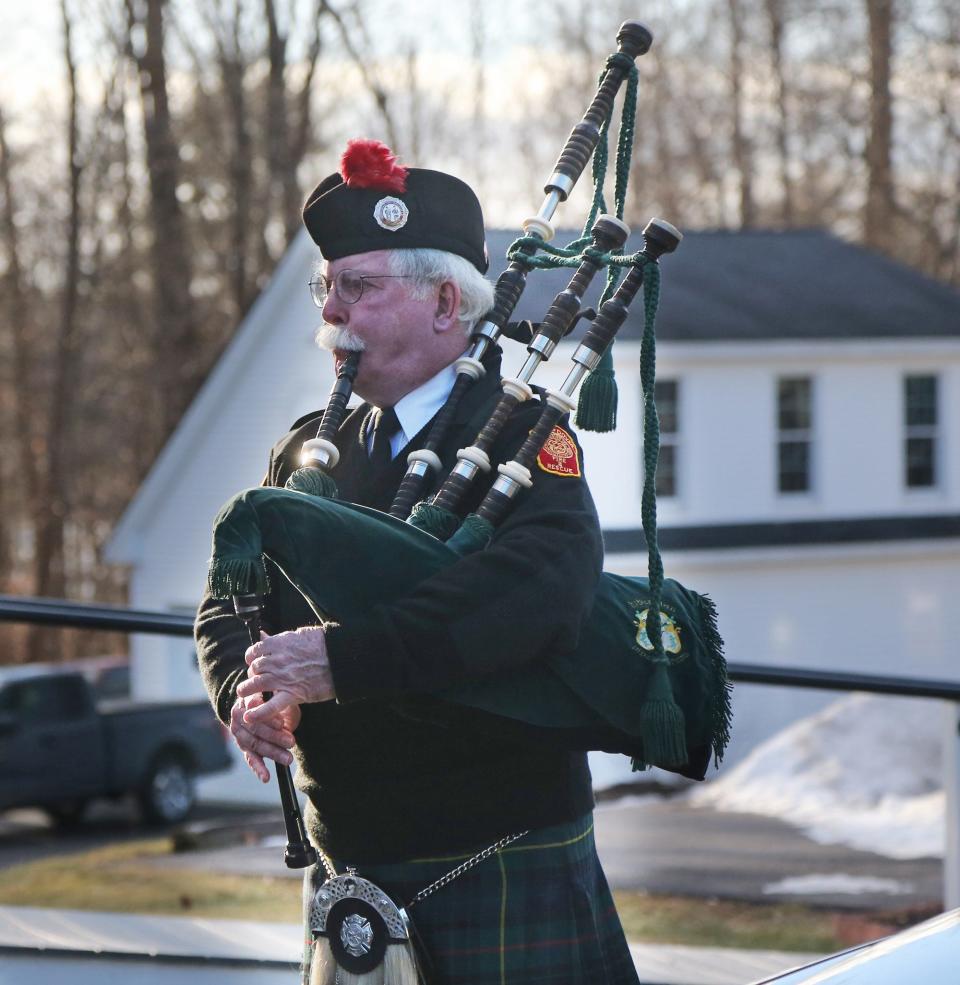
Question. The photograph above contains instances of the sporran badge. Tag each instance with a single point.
(361, 937)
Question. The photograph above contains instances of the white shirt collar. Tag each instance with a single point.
(417, 408)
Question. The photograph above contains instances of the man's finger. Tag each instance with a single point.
(274, 730)
(267, 750)
(256, 666)
(275, 706)
(256, 685)
(276, 736)
(263, 746)
(258, 766)
(244, 740)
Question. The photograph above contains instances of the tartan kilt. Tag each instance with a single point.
(537, 913)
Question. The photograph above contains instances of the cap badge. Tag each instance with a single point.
(391, 213)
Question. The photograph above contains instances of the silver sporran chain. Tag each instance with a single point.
(465, 867)
(454, 873)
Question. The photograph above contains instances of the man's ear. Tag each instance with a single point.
(446, 315)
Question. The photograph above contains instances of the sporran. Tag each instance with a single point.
(361, 936)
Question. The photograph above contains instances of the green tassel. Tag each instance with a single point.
(721, 713)
(474, 535)
(661, 722)
(237, 576)
(434, 520)
(313, 482)
(597, 408)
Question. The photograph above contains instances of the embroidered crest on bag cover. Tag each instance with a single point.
(670, 632)
(559, 455)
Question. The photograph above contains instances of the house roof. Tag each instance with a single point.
(748, 286)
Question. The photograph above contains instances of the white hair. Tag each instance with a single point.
(428, 268)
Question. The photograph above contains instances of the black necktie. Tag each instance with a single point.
(385, 426)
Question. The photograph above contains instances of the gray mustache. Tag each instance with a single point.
(331, 337)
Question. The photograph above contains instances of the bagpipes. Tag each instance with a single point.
(647, 677)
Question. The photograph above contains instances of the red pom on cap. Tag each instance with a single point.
(371, 164)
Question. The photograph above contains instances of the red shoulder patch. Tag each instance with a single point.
(559, 454)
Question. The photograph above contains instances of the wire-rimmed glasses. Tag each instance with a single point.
(348, 284)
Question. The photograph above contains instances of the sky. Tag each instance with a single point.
(29, 50)
(31, 36)
(32, 80)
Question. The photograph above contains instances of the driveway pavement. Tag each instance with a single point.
(664, 846)
(661, 845)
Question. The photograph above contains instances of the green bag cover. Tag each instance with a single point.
(588, 698)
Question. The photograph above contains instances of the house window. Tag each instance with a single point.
(794, 433)
(920, 431)
(665, 394)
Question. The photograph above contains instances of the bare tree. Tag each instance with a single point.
(18, 320)
(927, 136)
(302, 101)
(774, 10)
(21, 489)
(287, 122)
(879, 210)
(49, 549)
(740, 146)
(232, 62)
(281, 171)
(42, 393)
(174, 329)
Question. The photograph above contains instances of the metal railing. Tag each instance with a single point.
(82, 615)
(59, 612)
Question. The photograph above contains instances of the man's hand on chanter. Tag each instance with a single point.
(292, 665)
(271, 738)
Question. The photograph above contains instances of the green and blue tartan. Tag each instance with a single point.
(537, 913)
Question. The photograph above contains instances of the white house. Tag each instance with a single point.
(809, 394)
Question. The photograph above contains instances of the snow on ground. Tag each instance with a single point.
(864, 772)
(817, 884)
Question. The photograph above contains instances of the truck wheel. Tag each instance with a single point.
(167, 795)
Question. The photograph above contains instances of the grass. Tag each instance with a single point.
(727, 923)
(121, 879)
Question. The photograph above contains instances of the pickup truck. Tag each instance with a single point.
(60, 748)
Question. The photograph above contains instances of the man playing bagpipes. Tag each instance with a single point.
(403, 787)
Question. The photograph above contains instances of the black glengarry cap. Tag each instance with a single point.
(373, 203)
